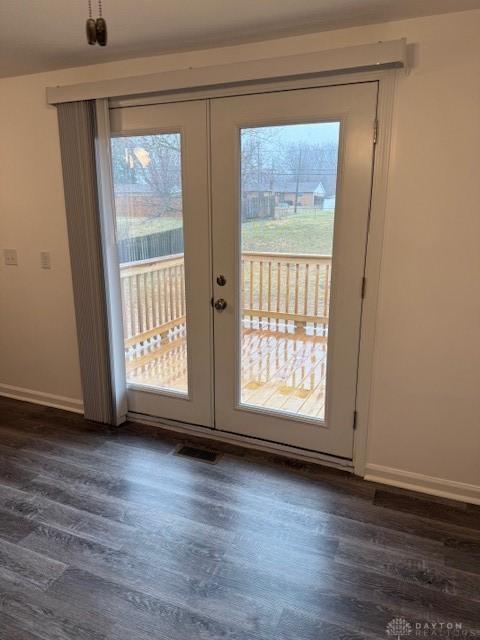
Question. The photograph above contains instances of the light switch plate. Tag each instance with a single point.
(45, 260)
(10, 257)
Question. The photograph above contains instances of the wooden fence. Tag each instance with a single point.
(258, 208)
(154, 245)
(280, 292)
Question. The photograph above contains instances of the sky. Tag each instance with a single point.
(315, 133)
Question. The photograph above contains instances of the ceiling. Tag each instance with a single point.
(41, 35)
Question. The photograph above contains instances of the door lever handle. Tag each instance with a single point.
(220, 304)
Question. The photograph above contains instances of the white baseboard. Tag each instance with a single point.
(40, 397)
(424, 484)
(442, 487)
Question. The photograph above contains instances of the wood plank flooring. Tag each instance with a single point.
(106, 534)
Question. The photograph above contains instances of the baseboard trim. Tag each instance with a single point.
(441, 487)
(425, 484)
(243, 441)
(40, 397)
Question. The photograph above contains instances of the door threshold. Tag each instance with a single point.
(247, 442)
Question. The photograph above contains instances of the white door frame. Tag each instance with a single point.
(387, 80)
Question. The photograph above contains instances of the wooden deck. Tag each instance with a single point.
(285, 300)
(284, 372)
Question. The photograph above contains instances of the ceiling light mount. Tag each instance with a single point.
(96, 29)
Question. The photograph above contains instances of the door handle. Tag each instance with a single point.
(220, 304)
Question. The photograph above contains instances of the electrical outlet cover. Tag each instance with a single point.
(10, 257)
(45, 260)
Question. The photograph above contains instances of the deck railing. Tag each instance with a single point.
(280, 292)
(286, 290)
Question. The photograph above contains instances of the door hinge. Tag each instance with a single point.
(375, 131)
(364, 287)
(354, 425)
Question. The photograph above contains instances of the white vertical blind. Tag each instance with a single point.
(77, 141)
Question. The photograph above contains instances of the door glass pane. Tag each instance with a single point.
(288, 188)
(147, 178)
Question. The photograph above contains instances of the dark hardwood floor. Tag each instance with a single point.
(109, 534)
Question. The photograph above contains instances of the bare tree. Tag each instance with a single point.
(258, 155)
(293, 157)
(258, 168)
(306, 162)
(150, 160)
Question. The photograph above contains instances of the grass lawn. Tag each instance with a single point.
(130, 227)
(308, 231)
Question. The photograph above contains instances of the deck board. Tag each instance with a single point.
(280, 371)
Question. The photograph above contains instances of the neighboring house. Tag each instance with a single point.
(140, 200)
(329, 203)
(308, 194)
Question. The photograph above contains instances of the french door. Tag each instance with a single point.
(242, 226)
(160, 180)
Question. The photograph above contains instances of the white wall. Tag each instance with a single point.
(425, 397)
